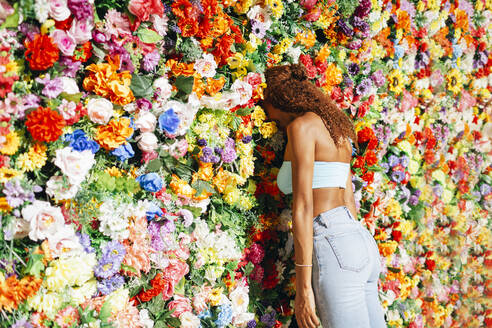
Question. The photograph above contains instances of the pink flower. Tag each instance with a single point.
(200, 299)
(253, 78)
(58, 10)
(313, 15)
(408, 101)
(256, 253)
(116, 24)
(81, 31)
(67, 317)
(180, 304)
(148, 156)
(175, 270)
(308, 4)
(65, 42)
(467, 101)
(144, 8)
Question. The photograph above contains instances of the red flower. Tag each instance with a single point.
(396, 234)
(45, 124)
(83, 52)
(188, 26)
(307, 61)
(42, 52)
(65, 24)
(371, 158)
(363, 109)
(430, 264)
(368, 177)
(222, 50)
(144, 8)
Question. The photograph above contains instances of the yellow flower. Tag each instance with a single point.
(454, 81)
(447, 196)
(215, 296)
(405, 146)
(282, 46)
(268, 129)
(276, 7)
(46, 302)
(7, 173)
(258, 116)
(245, 203)
(395, 79)
(114, 171)
(4, 206)
(439, 176)
(47, 25)
(237, 61)
(242, 7)
(413, 166)
(253, 43)
(11, 144)
(246, 166)
(232, 195)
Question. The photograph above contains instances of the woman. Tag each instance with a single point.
(339, 283)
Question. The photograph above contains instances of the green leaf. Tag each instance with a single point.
(75, 97)
(244, 111)
(148, 36)
(12, 20)
(248, 268)
(154, 165)
(128, 268)
(200, 185)
(174, 322)
(105, 312)
(35, 265)
(184, 84)
(180, 287)
(141, 86)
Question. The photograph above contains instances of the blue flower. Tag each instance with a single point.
(107, 286)
(205, 314)
(114, 250)
(107, 267)
(153, 210)
(151, 182)
(79, 142)
(124, 152)
(225, 315)
(169, 121)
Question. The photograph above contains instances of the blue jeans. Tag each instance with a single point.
(346, 268)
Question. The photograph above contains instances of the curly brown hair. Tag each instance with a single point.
(289, 90)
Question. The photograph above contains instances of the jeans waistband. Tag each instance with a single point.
(337, 213)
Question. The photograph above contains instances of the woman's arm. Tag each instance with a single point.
(302, 148)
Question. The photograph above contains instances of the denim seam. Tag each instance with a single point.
(339, 256)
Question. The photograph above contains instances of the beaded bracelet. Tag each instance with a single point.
(306, 265)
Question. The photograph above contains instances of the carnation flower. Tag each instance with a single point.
(42, 52)
(45, 124)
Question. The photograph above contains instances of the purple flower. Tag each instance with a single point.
(356, 44)
(393, 161)
(98, 36)
(107, 286)
(363, 9)
(345, 28)
(363, 87)
(422, 59)
(417, 192)
(414, 200)
(347, 81)
(106, 267)
(52, 88)
(251, 324)
(359, 23)
(15, 194)
(385, 166)
(269, 318)
(485, 189)
(22, 323)
(378, 78)
(151, 60)
(30, 101)
(168, 226)
(397, 176)
(229, 155)
(71, 66)
(404, 160)
(85, 241)
(126, 62)
(144, 104)
(214, 159)
(247, 139)
(201, 142)
(258, 28)
(114, 250)
(81, 9)
(218, 150)
(353, 68)
(437, 190)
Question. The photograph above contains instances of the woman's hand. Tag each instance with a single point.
(305, 309)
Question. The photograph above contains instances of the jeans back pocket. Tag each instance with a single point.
(350, 249)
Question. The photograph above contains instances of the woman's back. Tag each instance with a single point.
(325, 151)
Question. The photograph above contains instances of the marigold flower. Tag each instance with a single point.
(41, 52)
(14, 291)
(114, 134)
(45, 124)
(11, 144)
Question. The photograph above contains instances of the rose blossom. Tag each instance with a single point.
(64, 241)
(146, 122)
(164, 88)
(65, 42)
(44, 219)
(180, 304)
(74, 164)
(189, 320)
(100, 110)
(58, 10)
(69, 85)
(206, 65)
(147, 142)
(81, 31)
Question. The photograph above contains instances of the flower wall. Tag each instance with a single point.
(138, 174)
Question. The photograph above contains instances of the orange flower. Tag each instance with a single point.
(214, 85)
(205, 172)
(106, 82)
(178, 68)
(403, 21)
(114, 134)
(45, 124)
(307, 38)
(41, 52)
(181, 187)
(188, 26)
(83, 52)
(461, 20)
(14, 291)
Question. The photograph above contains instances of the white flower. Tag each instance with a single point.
(44, 219)
(163, 88)
(16, 229)
(81, 294)
(294, 53)
(100, 110)
(64, 242)
(244, 90)
(242, 319)
(146, 121)
(240, 299)
(114, 219)
(58, 10)
(206, 65)
(74, 164)
(260, 14)
(55, 188)
(69, 85)
(189, 320)
(41, 9)
(81, 31)
(160, 24)
(144, 319)
(147, 142)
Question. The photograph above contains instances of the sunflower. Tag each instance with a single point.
(395, 79)
(276, 7)
(454, 80)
